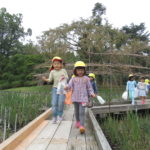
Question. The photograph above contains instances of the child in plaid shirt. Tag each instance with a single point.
(81, 90)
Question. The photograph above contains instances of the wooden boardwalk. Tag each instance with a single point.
(121, 107)
(63, 135)
(43, 135)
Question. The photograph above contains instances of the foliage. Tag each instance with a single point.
(80, 40)
(136, 32)
(30, 49)
(54, 43)
(128, 133)
(45, 88)
(87, 36)
(11, 31)
(97, 12)
(19, 70)
(18, 107)
(17, 59)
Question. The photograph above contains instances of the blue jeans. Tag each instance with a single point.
(57, 103)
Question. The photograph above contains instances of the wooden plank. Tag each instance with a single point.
(86, 141)
(91, 143)
(112, 103)
(100, 137)
(147, 101)
(60, 138)
(23, 145)
(90, 139)
(68, 112)
(44, 138)
(12, 142)
(119, 108)
(46, 134)
(119, 102)
(81, 142)
(72, 142)
(76, 140)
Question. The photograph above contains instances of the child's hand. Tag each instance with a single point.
(66, 88)
(93, 95)
(44, 78)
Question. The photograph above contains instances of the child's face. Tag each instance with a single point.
(132, 78)
(142, 80)
(80, 72)
(57, 65)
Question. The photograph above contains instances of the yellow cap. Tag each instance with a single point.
(56, 58)
(92, 75)
(131, 75)
(79, 64)
(146, 81)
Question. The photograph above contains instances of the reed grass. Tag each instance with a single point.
(21, 106)
(128, 133)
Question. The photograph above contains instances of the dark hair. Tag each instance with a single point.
(130, 78)
(75, 70)
(142, 78)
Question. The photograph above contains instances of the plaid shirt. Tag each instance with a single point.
(81, 89)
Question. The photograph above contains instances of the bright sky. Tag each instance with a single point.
(40, 15)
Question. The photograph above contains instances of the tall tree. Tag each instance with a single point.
(113, 50)
(97, 12)
(137, 32)
(11, 31)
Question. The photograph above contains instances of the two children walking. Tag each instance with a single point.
(81, 90)
(141, 87)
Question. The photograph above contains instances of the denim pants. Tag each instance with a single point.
(57, 103)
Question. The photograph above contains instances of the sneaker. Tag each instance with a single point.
(133, 103)
(77, 125)
(54, 120)
(60, 118)
(82, 129)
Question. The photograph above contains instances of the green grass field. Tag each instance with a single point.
(18, 106)
(45, 88)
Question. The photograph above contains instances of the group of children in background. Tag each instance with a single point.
(139, 89)
(83, 87)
